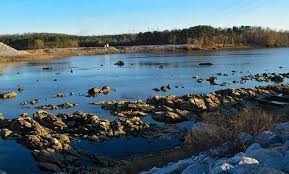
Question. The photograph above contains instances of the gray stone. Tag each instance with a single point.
(263, 154)
(245, 138)
(266, 138)
(196, 169)
(172, 168)
(223, 167)
(254, 146)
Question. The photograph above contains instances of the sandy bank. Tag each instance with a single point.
(42, 54)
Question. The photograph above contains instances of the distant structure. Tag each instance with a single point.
(106, 46)
(6, 51)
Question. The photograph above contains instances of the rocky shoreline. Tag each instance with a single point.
(266, 153)
(174, 109)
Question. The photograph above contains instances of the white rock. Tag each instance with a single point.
(221, 168)
(240, 158)
(172, 168)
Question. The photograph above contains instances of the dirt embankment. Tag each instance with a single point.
(12, 55)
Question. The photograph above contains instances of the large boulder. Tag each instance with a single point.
(172, 168)
(266, 138)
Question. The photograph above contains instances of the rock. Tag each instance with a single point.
(49, 167)
(8, 95)
(55, 107)
(47, 68)
(263, 154)
(94, 92)
(1, 117)
(61, 95)
(172, 168)
(119, 63)
(49, 120)
(253, 147)
(166, 88)
(196, 169)
(157, 89)
(105, 89)
(206, 64)
(21, 88)
(221, 168)
(282, 130)
(245, 138)
(266, 138)
(170, 117)
(213, 80)
(277, 79)
(281, 163)
(198, 104)
(200, 80)
(6, 133)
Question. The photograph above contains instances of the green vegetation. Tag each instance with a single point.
(200, 36)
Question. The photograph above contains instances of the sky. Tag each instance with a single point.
(99, 17)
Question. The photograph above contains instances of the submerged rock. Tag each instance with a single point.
(59, 106)
(21, 88)
(206, 64)
(119, 63)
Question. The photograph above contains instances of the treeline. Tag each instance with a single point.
(199, 36)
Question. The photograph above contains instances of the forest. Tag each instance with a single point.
(199, 36)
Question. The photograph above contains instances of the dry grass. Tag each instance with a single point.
(228, 127)
(250, 120)
(206, 136)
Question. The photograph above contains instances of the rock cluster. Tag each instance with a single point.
(268, 152)
(49, 136)
(55, 107)
(94, 92)
(31, 102)
(181, 108)
(123, 108)
(267, 77)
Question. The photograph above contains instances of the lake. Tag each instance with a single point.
(133, 81)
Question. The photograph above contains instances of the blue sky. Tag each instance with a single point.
(97, 17)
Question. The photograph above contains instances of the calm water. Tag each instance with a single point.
(133, 81)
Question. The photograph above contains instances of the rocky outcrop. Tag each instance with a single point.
(49, 137)
(268, 153)
(59, 106)
(182, 108)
